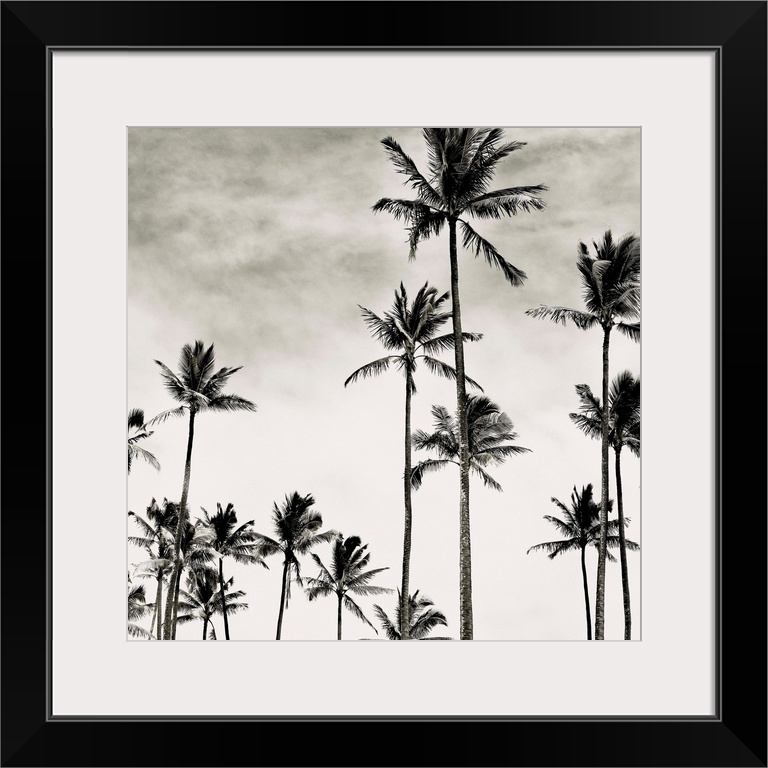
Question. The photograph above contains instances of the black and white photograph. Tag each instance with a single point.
(384, 383)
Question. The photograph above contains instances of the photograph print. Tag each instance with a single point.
(383, 383)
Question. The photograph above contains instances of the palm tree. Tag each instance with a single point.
(489, 436)
(346, 576)
(611, 290)
(409, 332)
(623, 430)
(137, 609)
(157, 539)
(423, 619)
(195, 552)
(227, 539)
(581, 529)
(203, 597)
(198, 387)
(297, 528)
(461, 162)
(137, 430)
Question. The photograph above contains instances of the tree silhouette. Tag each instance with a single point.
(461, 163)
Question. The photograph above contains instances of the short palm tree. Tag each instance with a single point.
(581, 529)
(611, 290)
(157, 538)
(297, 531)
(346, 576)
(137, 609)
(195, 552)
(198, 387)
(137, 431)
(490, 435)
(623, 430)
(409, 333)
(462, 163)
(423, 619)
(203, 598)
(227, 539)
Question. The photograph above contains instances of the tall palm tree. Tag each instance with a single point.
(409, 332)
(423, 619)
(623, 430)
(297, 530)
(203, 598)
(137, 430)
(581, 529)
(611, 291)
(157, 538)
(227, 539)
(490, 432)
(346, 576)
(198, 387)
(461, 163)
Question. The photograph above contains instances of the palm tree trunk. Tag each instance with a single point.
(586, 591)
(282, 599)
(158, 606)
(623, 551)
(176, 588)
(404, 618)
(465, 549)
(338, 621)
(223, 597)
(169, 606)
(600, 591)
(205, 627)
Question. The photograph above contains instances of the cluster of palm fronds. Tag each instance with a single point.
(212, 539)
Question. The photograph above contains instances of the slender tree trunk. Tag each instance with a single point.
(338, 620)
(158, 607)
(586, 591)
(176, 588)
(223, 597)
(205, 627)
(623, 551)
(600, 592)
(465, 549)
(282, 599)
(182, 519)
(404, 589)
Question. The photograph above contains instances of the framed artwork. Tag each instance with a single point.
(199, 191)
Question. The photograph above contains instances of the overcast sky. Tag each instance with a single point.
(262, 242)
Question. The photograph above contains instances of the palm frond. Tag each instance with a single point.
(581, 320)
(488, 481)
(425, 225)
(386, 624)
(405, 165)
(356, 611)
(384, 330)
(173, 413)
(509, 202)
(173, 384)
(631, 330)
(370, 369)
(446, 342)
(426, 622)
(230, 403)
(474, 242)
(401, 210)
(428, 465)
(137, 452)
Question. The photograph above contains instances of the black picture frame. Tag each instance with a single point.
(736, 736)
